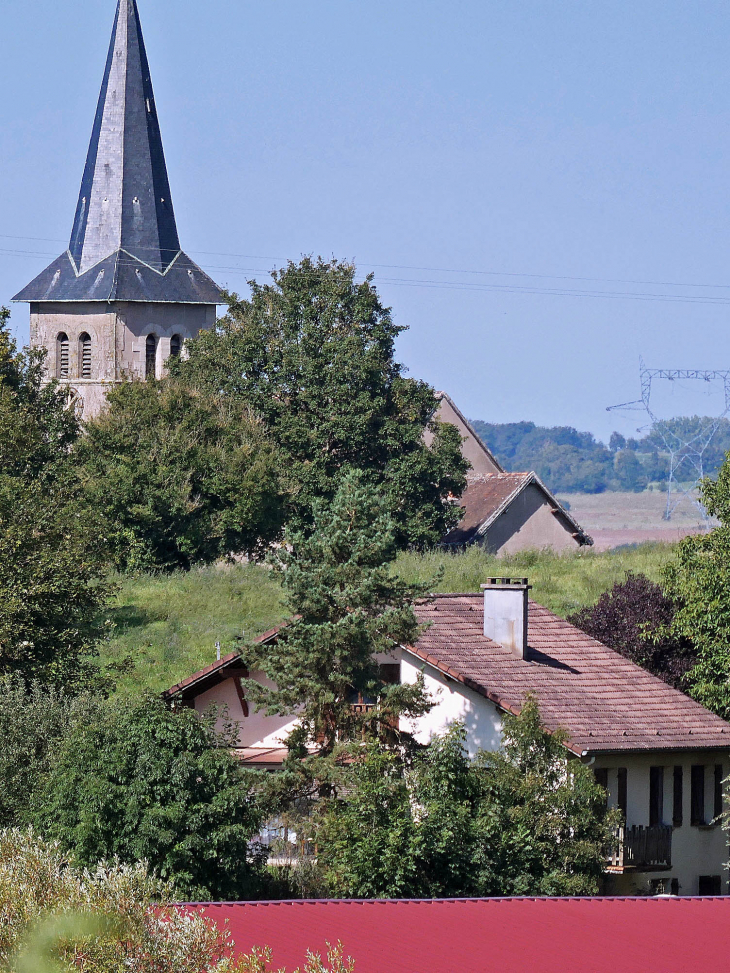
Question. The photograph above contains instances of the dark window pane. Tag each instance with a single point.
(390, 673)
(175, 346)
(675, 886)
(601, 776)
(677, 810)
(656, 795)
(710, 885)
(698, 795)
(151, 356)
(622, 798)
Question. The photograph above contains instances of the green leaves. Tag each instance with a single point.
(312, 354)
(142, 783)
(52, 554)
(181, 477)
(349, 610)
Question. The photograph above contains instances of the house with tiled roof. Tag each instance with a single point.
(660, 755)
(505, 512)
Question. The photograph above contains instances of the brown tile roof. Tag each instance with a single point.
(488, 495)
(605, 702)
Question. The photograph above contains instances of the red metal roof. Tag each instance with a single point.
(605, 702)
(628, 935)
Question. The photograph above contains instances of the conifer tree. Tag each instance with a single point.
(350, 610)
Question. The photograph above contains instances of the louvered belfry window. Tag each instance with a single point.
(62, 370)
(84, 355)
(175, 346)
(151, 356)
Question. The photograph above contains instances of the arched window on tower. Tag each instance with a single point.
(62, 350)
(150, 369)
(84, 355)
(175, 346)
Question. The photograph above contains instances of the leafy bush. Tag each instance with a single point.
(143, 783)
(181, 477)
(635, 617)
(44, 895)
(34, 720)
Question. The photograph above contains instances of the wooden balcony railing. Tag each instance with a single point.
(641, 849)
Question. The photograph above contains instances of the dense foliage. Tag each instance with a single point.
(636, 617)
(698, 579)
(572, 461)
(143, 783)
(34, 720)
(52, 551)
(110, 918)
(312, 353)
(181, 477)
(348, 608)
(523, 821)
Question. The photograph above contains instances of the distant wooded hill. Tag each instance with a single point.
(571, 461)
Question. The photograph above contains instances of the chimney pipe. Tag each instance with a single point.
(505, 613)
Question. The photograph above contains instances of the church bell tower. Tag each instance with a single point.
(124, 297)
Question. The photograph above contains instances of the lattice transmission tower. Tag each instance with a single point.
(685, 453)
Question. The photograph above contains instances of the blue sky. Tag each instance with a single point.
(508, 170)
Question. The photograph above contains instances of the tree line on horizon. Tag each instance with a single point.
(570, 461)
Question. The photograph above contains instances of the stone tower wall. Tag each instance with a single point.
(118, 333)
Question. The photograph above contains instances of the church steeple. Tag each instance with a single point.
(124, 243)
(125, 203)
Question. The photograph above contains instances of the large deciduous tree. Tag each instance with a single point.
(312, 353)
(181, 476)
(524, 821)
(143, 783)
(698, 579)
(52, 552)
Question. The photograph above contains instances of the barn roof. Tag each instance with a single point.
(604, 701)
(556, 935)
(489, 495)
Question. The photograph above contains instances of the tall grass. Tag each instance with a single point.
(164, 627)
(561, 582)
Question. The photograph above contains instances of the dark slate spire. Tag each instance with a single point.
(124, 243)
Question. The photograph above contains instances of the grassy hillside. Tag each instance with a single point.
(165, 627)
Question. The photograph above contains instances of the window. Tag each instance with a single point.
(150, 368)
(175, 346)
(84, 355)
(698, 795)
(710, 884)
(601, 775)
(390, 673)
(675, 886)
(677, 809)
(718, 791)
(62, 351)
(656, 796)
(622, 797)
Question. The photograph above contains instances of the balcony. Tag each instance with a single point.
(641, 849)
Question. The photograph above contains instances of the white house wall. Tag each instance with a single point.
(257, 730)
(696, 850)
(453, 702)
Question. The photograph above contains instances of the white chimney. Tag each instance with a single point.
(505, 613)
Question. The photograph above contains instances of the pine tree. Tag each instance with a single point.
(349, 611)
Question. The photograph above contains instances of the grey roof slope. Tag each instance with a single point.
(124, 243)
